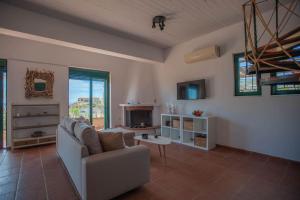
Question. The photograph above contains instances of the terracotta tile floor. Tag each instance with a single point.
(37, 173)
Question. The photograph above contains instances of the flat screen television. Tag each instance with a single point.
(191, 90)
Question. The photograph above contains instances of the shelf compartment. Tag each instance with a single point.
(165, 132)
(200, 125)
(37, 115)
(28, 142)
(32, 127)
(200, 140)
(175, 134)
(175, 122)
(47, 139)
(166, 120)
(187, 124)
(188, 137)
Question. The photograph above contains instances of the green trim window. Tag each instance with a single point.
(3, 110)
(89, 96)
(284, 89)
(245, 85)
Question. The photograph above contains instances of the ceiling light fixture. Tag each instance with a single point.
(160, 21)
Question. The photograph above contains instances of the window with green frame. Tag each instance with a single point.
(283, 89)
(89, 96)
(3, 101)
(245, 85)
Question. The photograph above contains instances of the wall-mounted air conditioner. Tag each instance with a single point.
(202, 54)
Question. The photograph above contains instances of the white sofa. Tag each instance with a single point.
(105, 175)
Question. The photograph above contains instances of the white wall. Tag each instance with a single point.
(15, 50)
(266, 124)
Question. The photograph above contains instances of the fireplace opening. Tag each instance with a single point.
(138, 118)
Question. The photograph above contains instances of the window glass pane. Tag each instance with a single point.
(79, 98)
(246, 83)
(98, 104)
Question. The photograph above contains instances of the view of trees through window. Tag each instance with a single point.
(86, 99)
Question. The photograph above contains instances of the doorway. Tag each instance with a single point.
(89, 96)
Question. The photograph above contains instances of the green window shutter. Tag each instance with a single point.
(244, 85)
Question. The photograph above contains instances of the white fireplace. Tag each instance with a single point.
(140, 116)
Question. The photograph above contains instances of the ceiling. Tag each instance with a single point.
(186, 19)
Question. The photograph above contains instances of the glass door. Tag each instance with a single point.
(98, 104)
(89, 96)
(79, 98)
(3, 108)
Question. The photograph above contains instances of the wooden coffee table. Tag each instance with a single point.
(160, 141)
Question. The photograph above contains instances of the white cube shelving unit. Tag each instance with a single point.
(198, 132)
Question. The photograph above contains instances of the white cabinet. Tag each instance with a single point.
(189, 130)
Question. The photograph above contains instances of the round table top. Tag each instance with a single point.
(151, 139)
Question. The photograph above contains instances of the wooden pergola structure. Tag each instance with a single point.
(271, 44)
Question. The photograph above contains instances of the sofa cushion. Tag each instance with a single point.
(69, 124)
(128, 135)
(88, 136)
(129, 138)
(111, 141)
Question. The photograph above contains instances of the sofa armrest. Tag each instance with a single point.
(107, 175)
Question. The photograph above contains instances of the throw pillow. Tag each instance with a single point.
(69, 124)
(88, 136)
(111, 141)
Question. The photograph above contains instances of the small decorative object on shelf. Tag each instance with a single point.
(145, 135)
(171, 108)
(197, 113)
(37, 134)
